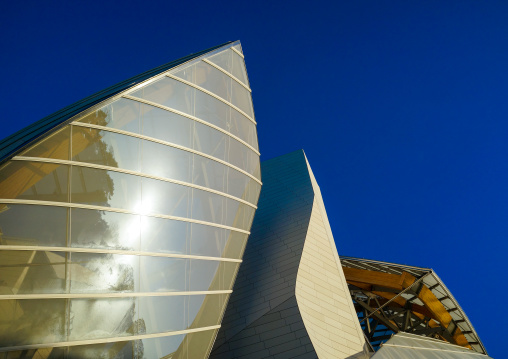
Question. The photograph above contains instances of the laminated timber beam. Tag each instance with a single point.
(387, 280)
(387, 286)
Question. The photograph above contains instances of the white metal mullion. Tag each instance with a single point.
(194, 118)
(227, 73)
(117, 210)
(134, 173)
(114, 251)
(143, 137)
(211, 94)
(108, 295)
(238, 52)
(106, 340)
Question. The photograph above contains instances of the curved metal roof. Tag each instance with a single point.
(13, 144)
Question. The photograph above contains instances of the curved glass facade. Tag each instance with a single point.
(122, 231)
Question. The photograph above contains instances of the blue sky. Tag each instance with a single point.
(400, 107)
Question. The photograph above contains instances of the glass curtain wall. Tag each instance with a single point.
(121, 233)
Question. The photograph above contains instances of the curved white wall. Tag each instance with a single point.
(322, 293)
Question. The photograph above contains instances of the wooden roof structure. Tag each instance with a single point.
(391, 298)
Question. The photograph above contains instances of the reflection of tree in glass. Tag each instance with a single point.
(90, 229)
(37, 321)
(100, 117)
(92, 146)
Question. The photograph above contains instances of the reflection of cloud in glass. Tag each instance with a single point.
(103, 229)
(102, 273)
(102, 318)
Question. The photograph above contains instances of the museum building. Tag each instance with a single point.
(130, 228)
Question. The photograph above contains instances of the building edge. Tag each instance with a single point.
(18, 141)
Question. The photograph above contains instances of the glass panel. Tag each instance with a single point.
(210, 141)
(243, 128)
(257, 171)
(53, 146)
(34, 181)
(46, 353)
(165, 347)
(239, 215)
(211, 110)
(223, 59)
(237, 183)
(209, 173)
(160, 274)
(187, 74)
(164, 161)
(123, 114)
(199, 344)
(242, 157)
(163, 314)
(232, 209)
(244, 217)
(186, 99)
(229, 274)
(102, 229)
(105, 148)
(104, 273)
(207, 241)
(239, 48)
(28, 225)
(204, 275)
(241, 98)
(238, 68)
(252, 192)
(116, 350)
(164, 235)
(102, 318)
(205, 310)
(165, 198)
(167, 126)
(32, 272)
(235, 245)
(170, 93)
(105, 188)
(207, 206)
(32, 321)
(209, 78)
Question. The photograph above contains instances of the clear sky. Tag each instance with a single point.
(400, 106)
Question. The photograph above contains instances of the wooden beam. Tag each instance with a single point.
(460, 339)
(393, 281)
(434, 306)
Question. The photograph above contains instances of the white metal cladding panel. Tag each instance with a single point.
(107, 218)
(322, 292)
(262, 319)
(322, 298)
(403, 345)
(266, 316)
